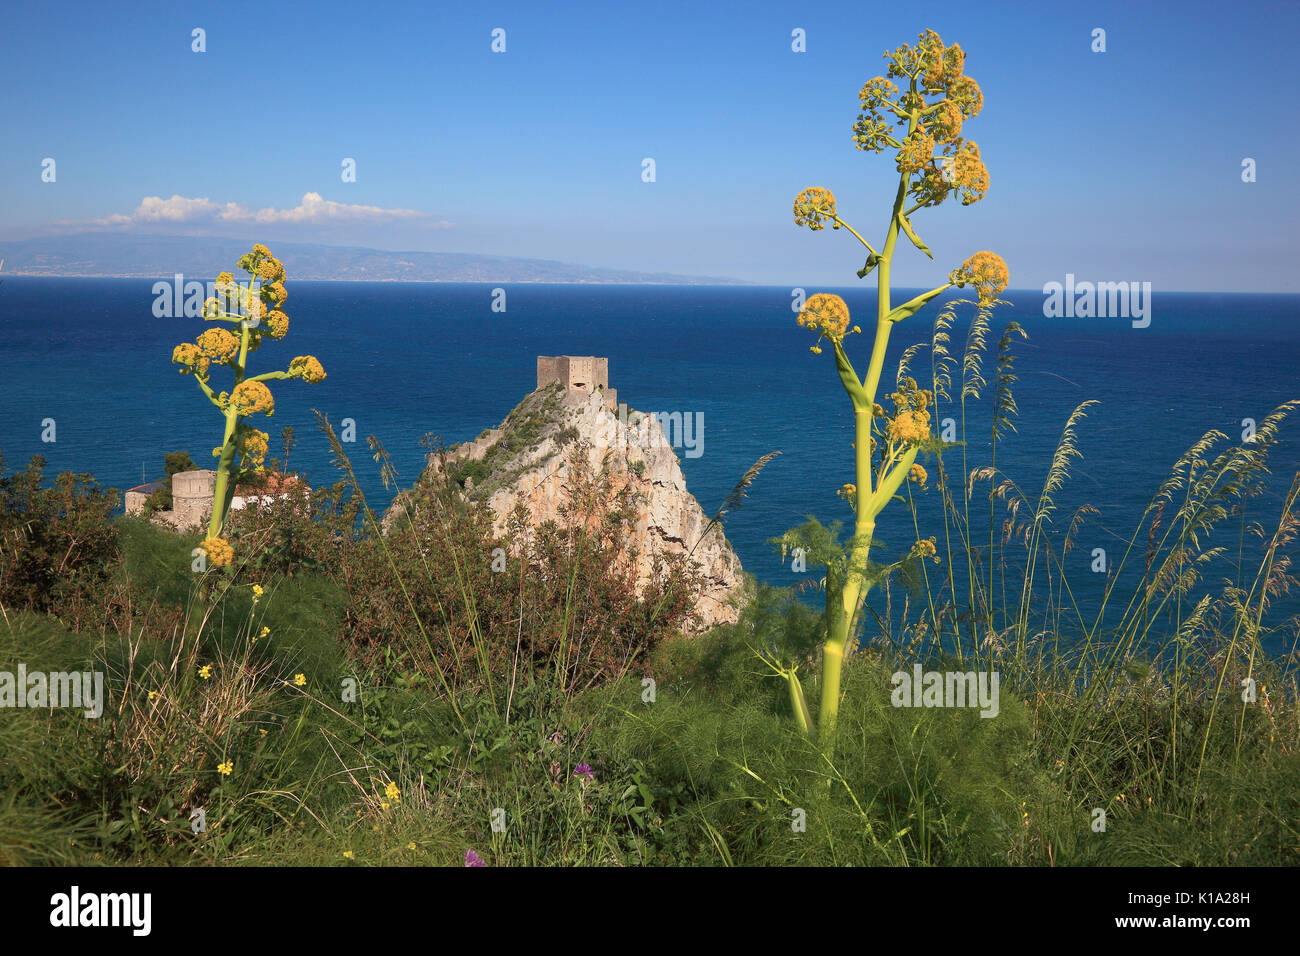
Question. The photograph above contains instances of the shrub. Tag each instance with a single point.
(58, 547)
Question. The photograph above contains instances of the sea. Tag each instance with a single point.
(91, 358)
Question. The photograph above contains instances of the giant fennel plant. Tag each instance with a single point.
(917, 111)
(254, 310)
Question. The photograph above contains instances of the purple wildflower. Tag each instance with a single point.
(473, 859)
(584, 770)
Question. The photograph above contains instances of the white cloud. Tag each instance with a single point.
(312, 209)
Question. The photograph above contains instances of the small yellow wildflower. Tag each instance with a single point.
(153, 695)
(206, 671)
(349, 855)
(257, 592)
(225, 768)
(299, 680)
(411, 845)
(392, 792)
(917, 473)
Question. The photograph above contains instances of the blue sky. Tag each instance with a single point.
(1123, 165)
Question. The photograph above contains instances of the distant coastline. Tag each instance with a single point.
(108, 256)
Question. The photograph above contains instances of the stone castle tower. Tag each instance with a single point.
(584, 373)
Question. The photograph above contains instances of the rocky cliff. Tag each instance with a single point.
(527, 461)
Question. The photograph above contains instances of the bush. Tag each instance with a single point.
(58, 547)
(446, 594)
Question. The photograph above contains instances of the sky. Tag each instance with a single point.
(1122, 165)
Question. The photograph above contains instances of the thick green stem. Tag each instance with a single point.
(224, 489)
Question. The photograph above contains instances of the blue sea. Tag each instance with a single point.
(409, 359)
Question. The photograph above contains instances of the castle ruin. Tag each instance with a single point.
(192, 493)
(583, 373)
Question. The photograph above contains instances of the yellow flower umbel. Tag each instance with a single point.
(251, 397)
(251, 311)
(919, 111)
(827, 315)
(219, 552)
(926, 549)
(307, 368)
(987, 273)
(814, 207)
(219, 345)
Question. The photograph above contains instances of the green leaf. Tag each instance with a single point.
(916, 241)
(873, 260)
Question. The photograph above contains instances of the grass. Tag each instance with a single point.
(712, 771)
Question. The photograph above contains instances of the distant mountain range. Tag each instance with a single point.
(126, 255)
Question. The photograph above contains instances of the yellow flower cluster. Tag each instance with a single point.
(926, 549)
(917, 474)
(848, 492)
(225, 767)
(871, 130)
(393, 793)
(192, 359)
(916, 153)
(826, 314)
(813, 207)
(253, 444)
(307, 368)
(945, 122)
(967, 172)
(219, 345)
(911, 423)
(219, 551)
(248, 398)
(277, 292)
(277, 324)
(909, 428)
(987, 272)
(254, 310)
(270, 269)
